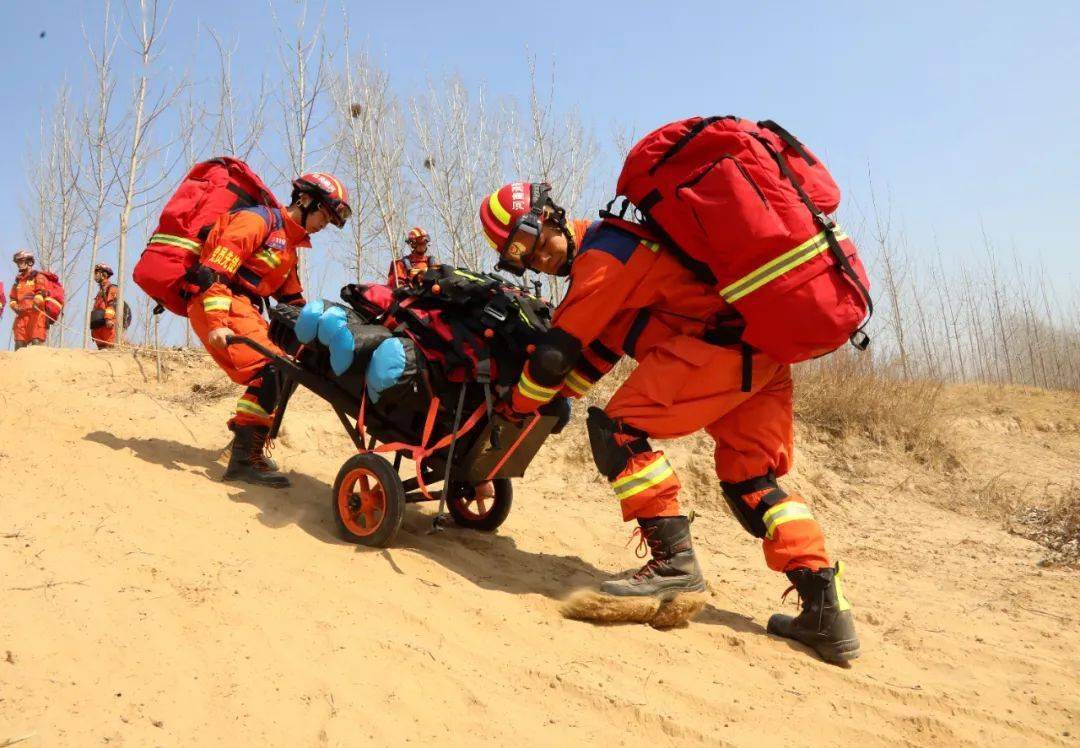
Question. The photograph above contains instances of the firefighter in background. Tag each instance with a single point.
(28, 295)
(103, 317)
(633, 297)
(405, 269)
(3, 300)
(251, 254)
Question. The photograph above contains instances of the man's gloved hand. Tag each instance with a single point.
(39, 301)
(505, 408)
(14, 304)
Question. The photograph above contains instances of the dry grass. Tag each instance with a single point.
(1054, 522)
(843, 396)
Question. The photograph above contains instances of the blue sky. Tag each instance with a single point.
(966, 113)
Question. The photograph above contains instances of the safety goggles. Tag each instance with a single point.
(513, 258)
(338, 210)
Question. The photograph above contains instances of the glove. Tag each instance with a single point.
(505, 409)
(14, 304)
(39, 301)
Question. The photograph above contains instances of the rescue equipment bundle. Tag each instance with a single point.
(748, 207)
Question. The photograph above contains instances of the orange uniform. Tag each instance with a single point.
(28, 300)
(253, 254)
(3, 301)
(105, 301)
(404, 269)
(633, 297)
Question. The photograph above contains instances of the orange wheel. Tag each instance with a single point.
(368, 500)
(478, 512)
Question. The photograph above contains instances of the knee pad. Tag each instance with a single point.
(266, 387)
(753, 520)
(609, 455)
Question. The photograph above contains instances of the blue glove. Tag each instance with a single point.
(333, 319)
(342, 350)
(307, 323)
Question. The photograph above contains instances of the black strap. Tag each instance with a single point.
(791, 140)
(681, 143)
(859, 338)
(747, 367)
(604, 353)
(636, 328)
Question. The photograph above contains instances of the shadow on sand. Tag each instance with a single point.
(490, 561)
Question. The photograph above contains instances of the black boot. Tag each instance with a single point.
(248, 461)
(673, 568)
(270, 463)
(825, 623)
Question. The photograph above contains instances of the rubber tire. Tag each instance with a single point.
(500, 510)
(394, 492)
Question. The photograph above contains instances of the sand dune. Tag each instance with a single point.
(146, 603)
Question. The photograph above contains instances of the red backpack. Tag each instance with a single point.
(748, 206)
(54, 301)
(209, 190)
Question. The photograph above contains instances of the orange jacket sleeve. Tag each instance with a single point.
(110, 302)
(232, 240)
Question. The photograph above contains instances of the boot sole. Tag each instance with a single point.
(836, 653)
(240, 479)
(665, 595)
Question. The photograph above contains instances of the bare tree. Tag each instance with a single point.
(131, 155)
(235, 135)
(371, 148)
(96, 187)
(458, 158)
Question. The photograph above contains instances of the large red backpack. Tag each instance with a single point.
(209, 190)
(54, 301)
(747, 205)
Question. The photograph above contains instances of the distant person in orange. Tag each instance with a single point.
(632, 297)
(251, 254)
(28, 295)
(405, 269)
(3, 300)
(103, 316)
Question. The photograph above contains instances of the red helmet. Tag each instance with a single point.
(520, 206)
(101, 266)
(328, 192)
(21, 256)
(416, 236)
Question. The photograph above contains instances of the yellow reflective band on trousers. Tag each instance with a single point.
(252, 409)
(498, 210)
(652, 474)
(533, 391)
(789, 511)
(773, 269)
(578, 383)
(176, 241)
(217, 303)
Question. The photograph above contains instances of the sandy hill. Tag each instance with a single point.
(146, 603)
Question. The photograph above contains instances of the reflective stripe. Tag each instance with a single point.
(252, 409)
(217, 303)
(653, 247)
(498, 210)
(842, 602)
(533, 391)
(790, 260)
(578, 383)
(782, 513)
(491, 241)
(175, 241)
(655, 472)
(269, 257)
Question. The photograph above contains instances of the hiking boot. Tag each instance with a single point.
(673, 568)
(825, 623)
(266, 458)
(248, 461)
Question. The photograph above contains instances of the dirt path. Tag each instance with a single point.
(145, 603)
